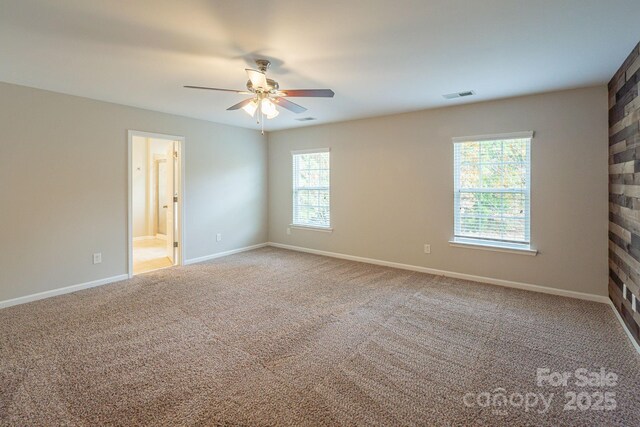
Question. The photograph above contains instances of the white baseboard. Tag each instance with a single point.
(624, 326)
(222, 254)
(499, 282)
(489, 280)
(61, 291)
(100, 282)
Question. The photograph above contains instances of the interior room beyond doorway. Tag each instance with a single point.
(154, 196)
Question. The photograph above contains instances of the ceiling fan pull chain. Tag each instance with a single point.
(260, 117)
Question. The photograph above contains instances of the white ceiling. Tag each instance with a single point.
(379, 57)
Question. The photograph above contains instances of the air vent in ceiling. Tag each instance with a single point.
(306, 119)
(458, 94)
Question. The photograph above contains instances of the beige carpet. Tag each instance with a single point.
(273, 337)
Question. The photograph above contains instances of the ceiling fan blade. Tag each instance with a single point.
(215, 88)
(240, 104)
(258, 79)
(291, 106)
(314, 93)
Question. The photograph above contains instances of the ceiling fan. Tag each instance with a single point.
(266, 94)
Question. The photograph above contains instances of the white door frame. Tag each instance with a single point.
(181, 194)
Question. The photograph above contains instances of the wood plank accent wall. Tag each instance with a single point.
(624, 189)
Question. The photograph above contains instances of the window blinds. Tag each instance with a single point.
(492, 188)
(311, 188)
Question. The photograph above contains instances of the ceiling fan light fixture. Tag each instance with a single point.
(268, 108)
(251, 108)
(257, 78)
(273, 115)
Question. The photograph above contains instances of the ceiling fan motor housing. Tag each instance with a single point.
(263, 64)
(272, 86)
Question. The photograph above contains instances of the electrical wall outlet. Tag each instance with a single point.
(97, 258)
(427, 249)
(288, 230)
(218, 237)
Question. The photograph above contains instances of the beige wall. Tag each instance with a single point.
(392, 188)
(63, 187)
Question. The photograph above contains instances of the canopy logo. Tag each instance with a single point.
(499, 401)
(595, 398)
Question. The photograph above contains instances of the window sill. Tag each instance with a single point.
(492, 246)
(312, 228)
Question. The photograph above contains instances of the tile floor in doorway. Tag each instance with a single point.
(150, 254)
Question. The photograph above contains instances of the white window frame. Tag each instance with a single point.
(493, 244)
(294, 188)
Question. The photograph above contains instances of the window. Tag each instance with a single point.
(311, 198)
(492, 190)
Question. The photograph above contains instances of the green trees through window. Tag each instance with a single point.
(311, 195)
(492, 189)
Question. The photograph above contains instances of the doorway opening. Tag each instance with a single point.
(155, 224)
